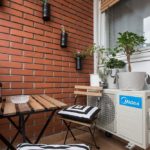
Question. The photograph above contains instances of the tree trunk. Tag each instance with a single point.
(129, 63)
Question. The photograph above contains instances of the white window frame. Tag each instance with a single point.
(100, 37)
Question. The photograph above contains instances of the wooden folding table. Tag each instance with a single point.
(36, 104)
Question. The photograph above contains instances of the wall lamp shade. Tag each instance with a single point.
(46, 11)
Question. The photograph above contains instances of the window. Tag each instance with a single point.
(129, 15)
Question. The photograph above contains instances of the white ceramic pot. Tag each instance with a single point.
(131, 80)
(112, 79)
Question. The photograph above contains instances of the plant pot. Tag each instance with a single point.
(131, 80)
(78, 63)
(112, 78)
(63, 39)
(46, 11)
(1, 2)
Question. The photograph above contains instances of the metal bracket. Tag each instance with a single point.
(130, 146)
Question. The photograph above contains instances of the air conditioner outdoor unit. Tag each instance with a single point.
(125, 114)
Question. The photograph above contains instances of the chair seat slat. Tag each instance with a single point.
(87, 93)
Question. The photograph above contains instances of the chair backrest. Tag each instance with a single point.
(88, 90)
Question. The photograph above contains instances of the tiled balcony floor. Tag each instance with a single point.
(104, 142)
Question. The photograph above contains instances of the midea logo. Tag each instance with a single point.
(126, 101)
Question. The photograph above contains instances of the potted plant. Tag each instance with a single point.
(79, 56)
(46, 10)
(128, 43)
(114, 66)
(102, 58)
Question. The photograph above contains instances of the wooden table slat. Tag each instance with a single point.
(35, 105)
(9, 109)
(54, 101)
(41, 100)
(24, 107)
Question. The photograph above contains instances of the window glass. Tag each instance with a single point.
(129, 15)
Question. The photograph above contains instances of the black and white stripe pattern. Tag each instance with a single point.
(27, 146)
(80, 113)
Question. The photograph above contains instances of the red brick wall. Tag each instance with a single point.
(31, 59)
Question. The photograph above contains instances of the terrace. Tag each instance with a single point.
(47, 51)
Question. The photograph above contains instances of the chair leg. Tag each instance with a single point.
(92, 135)
(68, 130)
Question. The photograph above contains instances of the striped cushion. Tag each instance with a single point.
(80, 113)
(27, 146)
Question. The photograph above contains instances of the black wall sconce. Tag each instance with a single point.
(63, 37)
(46, 10)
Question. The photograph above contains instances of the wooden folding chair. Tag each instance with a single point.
(82, 115)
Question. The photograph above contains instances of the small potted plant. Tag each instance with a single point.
(114, 66)
(128, 43)
(46, 10)
(79, 56)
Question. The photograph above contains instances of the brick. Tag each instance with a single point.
(4, 16)
(33, 66)
(4, 71)
(53, 80)
(33, 54)
(43, 50)
(6, 50)
(53, 46)
(21, 85)
(16, 1)
(10, 64)
(52, 35)
(53, 90)
(34, 91)
(43, 73)
(21, 8)
(53, 68)
(33, 30)
(4, 57)
(21, 33)
(10, 78)
(43, 85)
(21, 46)
(4, 36)
(54, 57)
(43, 38)
(14, 12)
(33, 79)
(11, 92)
(21, 72)
(4, 29)
(4, 43)
(33, 42)
(43, 26)
(32, 5)
(10, 24)
(21, 21)
(42, 61)
(21, 59)
(33, 18)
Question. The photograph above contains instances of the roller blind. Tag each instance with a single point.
(105, 4)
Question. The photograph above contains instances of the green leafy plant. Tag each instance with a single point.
(127, 43)
(115, 63)
(44, 1)
(81, 54)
